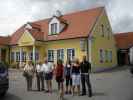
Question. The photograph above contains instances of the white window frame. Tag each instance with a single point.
(51, 59)
(54, 27)
(31, 56)
(71, 55)
(110, 56)
(12, 56)
(17, 56)
(102, 55)
(24, 56)
(61, 54)
(106, 56)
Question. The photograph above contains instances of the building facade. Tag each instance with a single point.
(124, 43)
(66, 37)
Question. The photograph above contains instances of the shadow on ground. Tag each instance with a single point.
(9, 96)
(114, 69)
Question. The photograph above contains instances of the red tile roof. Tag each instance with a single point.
(79, 24)
(124, 40)
(37, 34)
(16, 36)
(4, 40)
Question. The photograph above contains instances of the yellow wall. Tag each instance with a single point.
(26, 39)
(66, 44)
(104, 43)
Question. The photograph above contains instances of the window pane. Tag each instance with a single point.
(23, 56)
(17, 56)
(60, 54)
(54, 28)
(50, 55)
(12, 56)
(70, 54)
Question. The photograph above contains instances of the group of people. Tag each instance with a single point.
(73, 73)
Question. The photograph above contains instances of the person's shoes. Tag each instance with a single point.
(70, 92)
(42, 89)
(90, 95)
(82, 94)
(38, 90)
(47, 91)
(66, 92)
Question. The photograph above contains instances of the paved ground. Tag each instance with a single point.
(113, 85)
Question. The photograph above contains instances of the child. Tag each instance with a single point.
(59, 78)
(68, 70)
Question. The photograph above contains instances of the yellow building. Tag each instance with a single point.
(65, 37)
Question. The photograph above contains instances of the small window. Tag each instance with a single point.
(60, 54)
(106, 55)
(23, 56)
(70, 54)
(109, 32)
(53, 28)
(37, 56)
(12, 56)
(101, 55)
(17, 56)
(102, 28)
(51, 55)
(30, 56)
(110, 56)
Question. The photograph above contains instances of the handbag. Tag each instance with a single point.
(25, 74)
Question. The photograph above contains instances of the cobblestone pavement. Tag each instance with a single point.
(112, 85)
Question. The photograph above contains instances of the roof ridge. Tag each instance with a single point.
(70, 13)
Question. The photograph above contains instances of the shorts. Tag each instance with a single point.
(75, 79)
(68, 81)
(48, 76)
(59, 79)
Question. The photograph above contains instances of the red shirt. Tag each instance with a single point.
(59, 71)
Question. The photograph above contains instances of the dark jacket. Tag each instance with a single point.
(85, 67)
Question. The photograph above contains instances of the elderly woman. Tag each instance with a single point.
(29, 72)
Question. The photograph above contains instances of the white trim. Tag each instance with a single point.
(63, 52)
(33, 53)
(74, 52)
(26, 32)
(28, 26)
(89, 43)
(53, 53)
(20, 61)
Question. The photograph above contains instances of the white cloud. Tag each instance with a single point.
(14, 13)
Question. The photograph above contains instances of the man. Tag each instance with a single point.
(85, 70)
(48, 70)
(39, 76)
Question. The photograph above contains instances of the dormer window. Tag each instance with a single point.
(53, 28)
(56, 24)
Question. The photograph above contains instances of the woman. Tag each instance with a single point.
(76, 76)
(48, 70)
(59, 78)
(29, 69)
(68, 70)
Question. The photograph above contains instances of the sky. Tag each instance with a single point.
(15, 13)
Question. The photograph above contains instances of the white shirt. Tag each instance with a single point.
(47, 68)
(38, 68)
